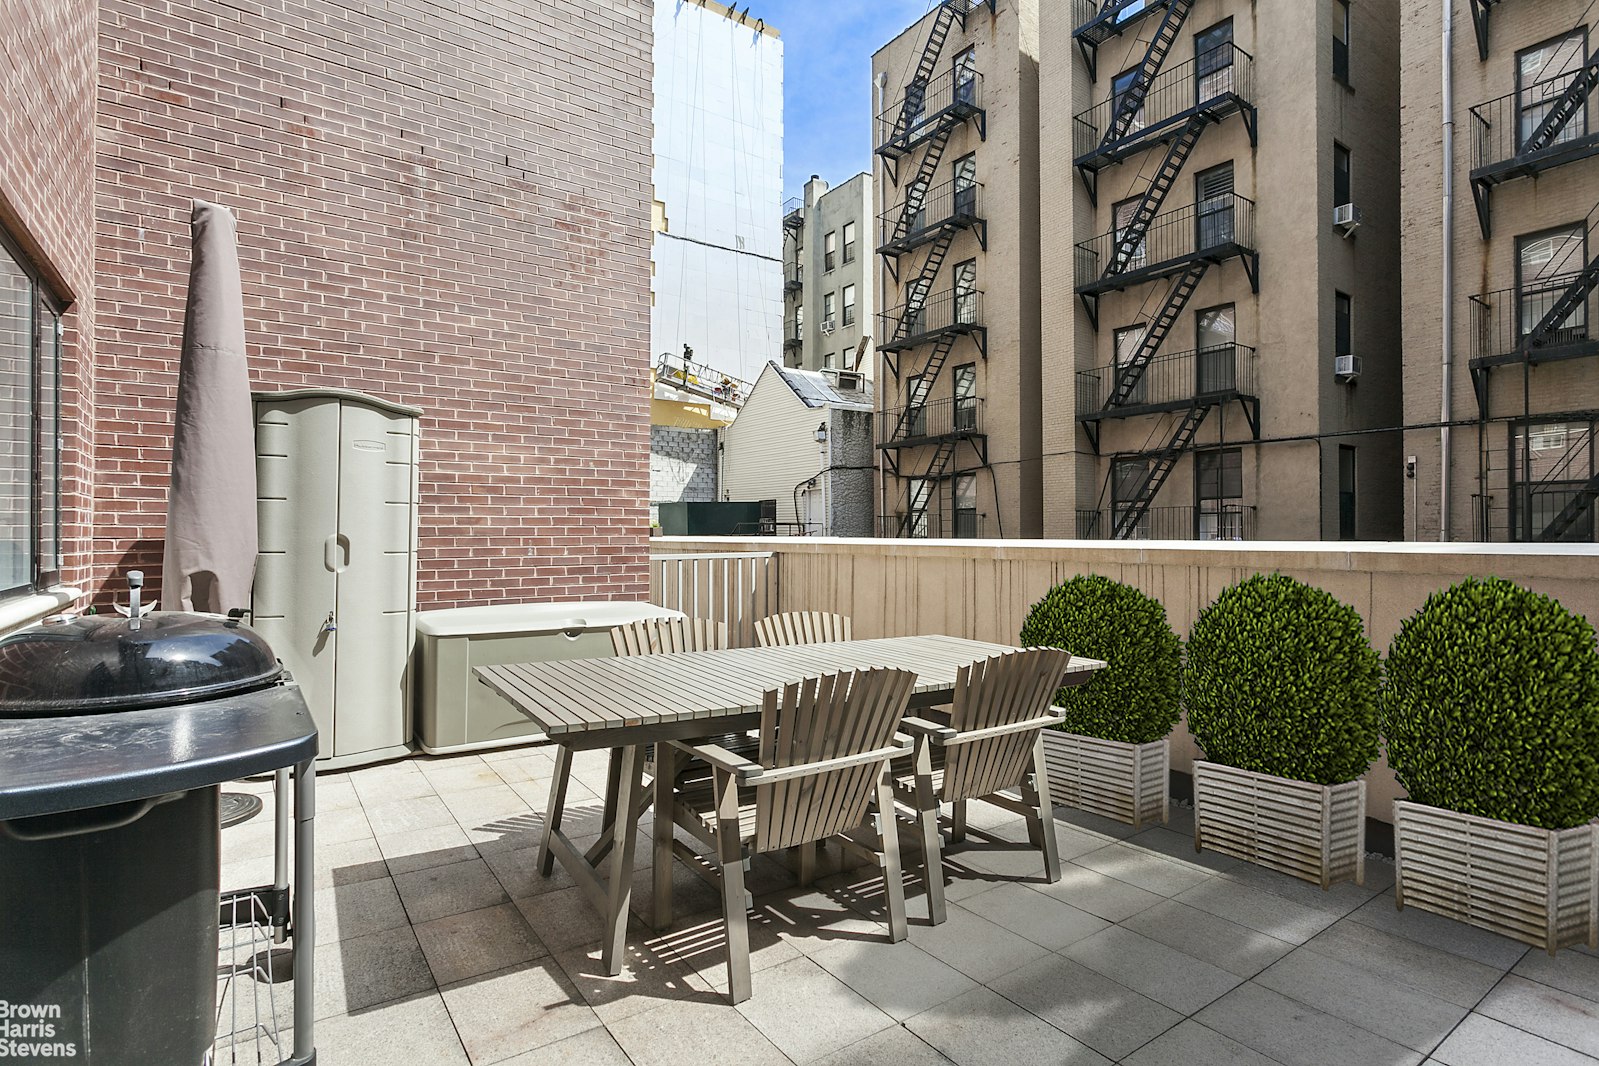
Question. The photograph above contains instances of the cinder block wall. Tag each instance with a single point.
(682, 466)
(445, 205)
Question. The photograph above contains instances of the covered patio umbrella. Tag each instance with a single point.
(211, 526)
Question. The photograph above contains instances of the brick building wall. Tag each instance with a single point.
(47, 102)
(443, 205)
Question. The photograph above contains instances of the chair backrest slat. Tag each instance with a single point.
(814, 720)
(668, 636)
(1007, 688)
(802, 627)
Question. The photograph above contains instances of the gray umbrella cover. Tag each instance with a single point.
(211, 542)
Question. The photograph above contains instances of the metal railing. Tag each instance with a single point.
(950, 311)
(953, 96)
(1205, 522)
(739, 588)
(954, 203)
(793, 277)
(792, 333)
(1179, 378)
(1218, 226)
(935, 525)
(938, 418)
(1125, 11)
(1501, 128)
(794, 211)
(1223, 74)
(1501, 320)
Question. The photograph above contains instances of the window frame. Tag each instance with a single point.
(848, 229)
(847, 306)
(829, 251)
(1522, 106)
(1343, 323)
(1342, 13)
(1521, 241)
(1342, 154)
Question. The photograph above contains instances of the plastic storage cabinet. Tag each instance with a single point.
(457, 713)
(335, 585)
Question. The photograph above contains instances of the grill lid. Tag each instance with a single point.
(99, 664)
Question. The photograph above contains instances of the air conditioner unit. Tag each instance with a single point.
(1346, 368)
(1346, 217)
(829, 326)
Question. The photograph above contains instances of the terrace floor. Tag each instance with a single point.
(438, 944)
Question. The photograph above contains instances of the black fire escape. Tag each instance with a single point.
(1480, 10)
(920, 126)
(1099, 21)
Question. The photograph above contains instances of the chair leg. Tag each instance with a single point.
(665, 807)
(932, 844)
(807, 863)
(893, 879)
(556, 806)
(729, 854)
(1046, 812)
(957, 822)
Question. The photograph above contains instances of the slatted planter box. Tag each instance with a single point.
(1538, 886)
(1127, 782)
(1316, 833)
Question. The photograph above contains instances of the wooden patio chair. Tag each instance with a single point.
(990, 748)
(801, 627)
(822, 770)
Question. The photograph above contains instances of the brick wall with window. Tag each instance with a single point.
(444, 205)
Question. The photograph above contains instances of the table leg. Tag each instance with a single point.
(665, 771)
(304, 913)
(552, 812)
(629, 763)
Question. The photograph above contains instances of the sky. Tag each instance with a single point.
(827, 81)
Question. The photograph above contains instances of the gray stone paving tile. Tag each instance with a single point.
(983, 1028)
(477, 942)
(1149, 871)
(1094, 823)
(1235, 948)
(1570, 971)
(594, 1047)
(1265, 912)
(815, 920)
(1091, 891)
(344, 911)
(717, 1034)
(1104, 1015)
(516, 1010)
(974, 945)
(363, 971)
(1041, 918)
(1156, 970)
(808, 1013)
(895, 1046)
(1390, 1009)
(1191, 1044)
(899, 979)
(1179, 847)
(1434, 930)
(1453, 978)
(562, 919)
(1070, 841)
(439, 891)
(456, 774)
(406, 1032)
(378, 786)
(518, 873)
(408, 815)
(700, 942)
(1483, 1041)
(648, 979)
(421, 849)
(1337, 900)
(1547, 1012)
(1297, 1035)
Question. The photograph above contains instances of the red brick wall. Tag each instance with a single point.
(444, 205)
(47, 98)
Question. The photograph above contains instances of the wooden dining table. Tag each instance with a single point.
(625, 703)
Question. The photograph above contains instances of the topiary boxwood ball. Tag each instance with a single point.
(1282, 680)
(1492, 706)
(1134, 698)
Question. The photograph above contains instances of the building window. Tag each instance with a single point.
(1128, 479)
(1214, 195)
(966, 187)
(1219, 488)
(965, 88)
(849, 305)
(1216, 362)
(30, 429)
(1341, 191)
(1120, 88)
(966, 397)
(967, 311)
(849, 242)
(799, 323)
(828, 322)
(919, 492)
(1346, 492)
(1127, 343)
(917, 386)
(1121, 218)
(1543, 74)
(1343, 324)
(1546, 265)
(830, 251)
(1213, 62)
(1340, 14)
(1551, 464)
(965, 503)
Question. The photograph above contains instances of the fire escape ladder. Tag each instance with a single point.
(920, 397)
(1575, 509)
(919, 501)
(1132, 101)
(1570, 300)
(1479, 19)
(1565, 107)
(916, 194)
(922, 286)
(1137, 228)
(1127, 518)
(916, 91)
(1182, 290)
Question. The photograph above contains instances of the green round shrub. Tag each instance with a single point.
(1134, 698)
(1491, 706)
(1282, 680)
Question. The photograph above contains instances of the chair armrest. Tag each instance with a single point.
(921, 727)
(1056, 712)
(972, 735)
(720, 757)
(902, 744)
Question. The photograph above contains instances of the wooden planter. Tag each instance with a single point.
(1128, 782)
(1316, 833)
(1538, 886)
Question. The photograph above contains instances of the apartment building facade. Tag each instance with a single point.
(956, 237)
(1221, 349)
(828, 296)
(1501, 344)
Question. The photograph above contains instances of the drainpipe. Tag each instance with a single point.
(879, 379)
(1446, 404)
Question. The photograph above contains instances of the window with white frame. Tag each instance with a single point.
(30, 428)
(849, 305)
